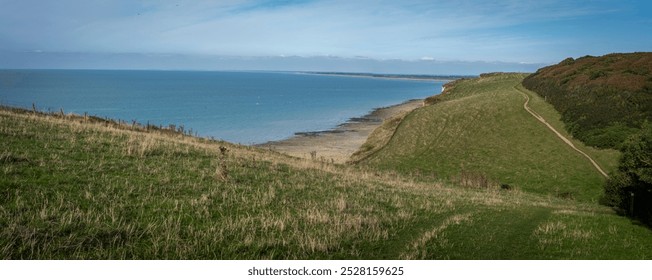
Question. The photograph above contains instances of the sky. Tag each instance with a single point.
(429, 37)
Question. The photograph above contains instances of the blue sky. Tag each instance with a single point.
(60, 34)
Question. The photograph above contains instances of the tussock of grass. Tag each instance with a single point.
(418, 249)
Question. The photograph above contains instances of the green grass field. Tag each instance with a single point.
(74, 189)
(480, 127)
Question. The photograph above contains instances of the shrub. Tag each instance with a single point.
(630, 189)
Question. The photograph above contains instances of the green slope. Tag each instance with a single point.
(74, 189)
(479, 126)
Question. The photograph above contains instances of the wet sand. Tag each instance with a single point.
(338, 144)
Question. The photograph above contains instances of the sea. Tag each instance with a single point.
(239, 107)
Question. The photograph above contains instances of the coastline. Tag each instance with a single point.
(338, 144)
(433, 78)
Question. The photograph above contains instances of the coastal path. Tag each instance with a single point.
(568, 142)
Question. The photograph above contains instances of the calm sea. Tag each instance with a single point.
(241, 107)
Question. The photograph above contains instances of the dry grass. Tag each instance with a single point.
(417, 249)
(474, 180)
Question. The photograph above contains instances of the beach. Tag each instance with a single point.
(338, 144)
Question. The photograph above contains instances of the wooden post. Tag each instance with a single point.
(631, 205)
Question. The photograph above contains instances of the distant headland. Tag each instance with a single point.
(395, 76)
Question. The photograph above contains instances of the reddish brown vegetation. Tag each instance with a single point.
(603, 99)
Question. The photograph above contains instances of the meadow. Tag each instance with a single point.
(78, 188)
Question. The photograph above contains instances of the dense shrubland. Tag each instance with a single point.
(602, 100)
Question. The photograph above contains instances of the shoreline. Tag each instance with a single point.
(338, 144)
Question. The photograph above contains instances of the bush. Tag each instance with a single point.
(630, 189)
(611, 136)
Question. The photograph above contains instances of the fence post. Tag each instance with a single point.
(631, 205)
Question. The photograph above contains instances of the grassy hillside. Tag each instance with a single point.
(479, 129)
(602, 100)
(75, 189)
